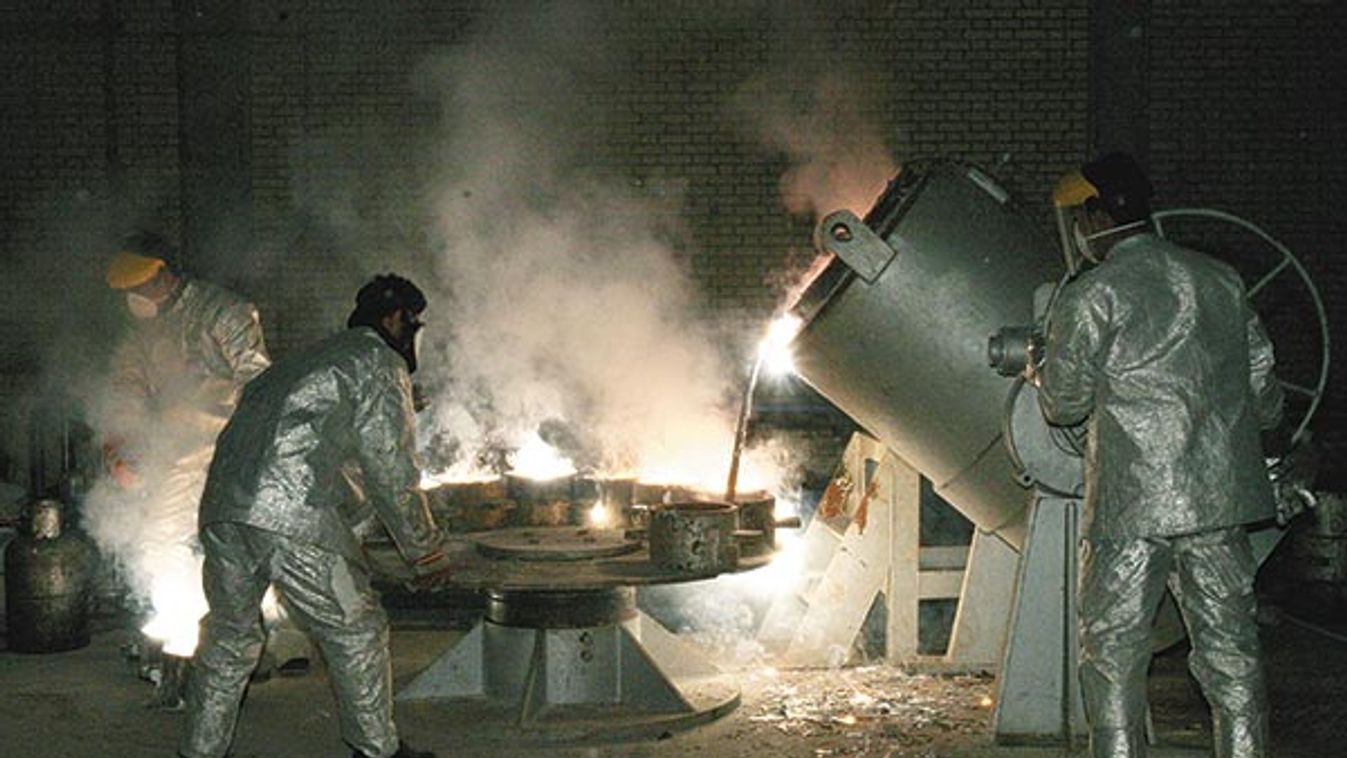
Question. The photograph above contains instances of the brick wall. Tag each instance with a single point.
(1245, 113)
(995, 82)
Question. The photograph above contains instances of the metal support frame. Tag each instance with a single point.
(871, 546)
(1038, 695)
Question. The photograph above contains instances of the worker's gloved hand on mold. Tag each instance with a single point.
(118, 464)
(433, 571)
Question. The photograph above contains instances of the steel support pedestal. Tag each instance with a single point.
(570, 666)
(1038, 697)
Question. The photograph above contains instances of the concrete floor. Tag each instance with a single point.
(89, 702)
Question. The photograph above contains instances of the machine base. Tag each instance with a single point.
(627, 680)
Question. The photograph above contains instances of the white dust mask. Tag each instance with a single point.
(141, 306)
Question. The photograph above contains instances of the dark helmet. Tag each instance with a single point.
(1124, 190)
(383, 295)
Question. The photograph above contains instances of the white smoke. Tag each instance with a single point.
(147, 523)
(838, 157)
(819, 100)
(569, 307)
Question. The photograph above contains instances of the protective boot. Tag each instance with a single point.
(404, 751)
(1118, 743)
(1241, 736)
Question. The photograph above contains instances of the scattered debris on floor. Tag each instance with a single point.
(872, 710)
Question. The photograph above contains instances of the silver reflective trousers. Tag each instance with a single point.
(330, 597)
(1121, 585)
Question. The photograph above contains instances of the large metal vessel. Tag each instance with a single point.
(896, 326)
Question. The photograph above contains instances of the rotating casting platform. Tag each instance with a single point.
(562, 653)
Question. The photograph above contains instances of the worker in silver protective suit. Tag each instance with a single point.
(1157, 350)
(272, 512)
(174, 380)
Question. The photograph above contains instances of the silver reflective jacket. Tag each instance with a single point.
(1159, 348)
(183, 368)
(278, 464)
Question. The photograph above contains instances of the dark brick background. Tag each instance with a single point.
(320, 104)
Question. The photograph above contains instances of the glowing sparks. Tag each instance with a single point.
(432, 479)
(536, 459)
(600, 516)
(774, 350)
(179, 605)
(532, 458)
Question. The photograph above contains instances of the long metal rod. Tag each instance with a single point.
(1069, 642)
(741, 429)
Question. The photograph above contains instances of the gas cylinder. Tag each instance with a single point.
(48, 576)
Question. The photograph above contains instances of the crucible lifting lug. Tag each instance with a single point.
(843, 234)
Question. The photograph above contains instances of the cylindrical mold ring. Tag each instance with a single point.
(528, 490)
(694, 537)
(757, 512)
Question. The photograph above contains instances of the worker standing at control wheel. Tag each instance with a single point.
(271, 513)
(1156, 349)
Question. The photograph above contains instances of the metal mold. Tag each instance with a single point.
(757, 523)
(694, 537)
(577, 544)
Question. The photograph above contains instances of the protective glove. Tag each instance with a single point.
(1292, 500)
(432, 571)
(117, 465)
(1293, 473)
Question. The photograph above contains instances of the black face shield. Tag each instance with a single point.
(387, 294)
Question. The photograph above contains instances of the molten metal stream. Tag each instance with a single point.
(741, 428)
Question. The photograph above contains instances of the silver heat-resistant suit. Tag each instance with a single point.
(184, 369)
(174, 381)
(271, 513)
(1159, 348)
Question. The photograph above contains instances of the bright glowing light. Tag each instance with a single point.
(985, 702)
(272, 609)
(600, 516)
(774, 350)
(536, 459)
(179, 605)
(785, 575)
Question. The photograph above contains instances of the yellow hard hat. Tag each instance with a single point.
(127, 270)
(1073, 189)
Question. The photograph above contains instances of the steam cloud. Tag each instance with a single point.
(838, 158)
(559, 305)
(566, 304)
(818, 100)
(568, 307)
